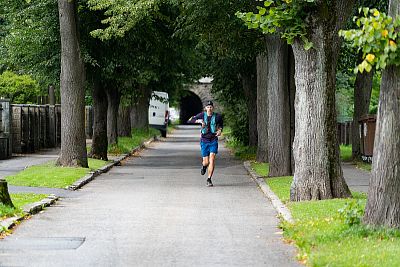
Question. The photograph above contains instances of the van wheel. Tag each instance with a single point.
(163, 133)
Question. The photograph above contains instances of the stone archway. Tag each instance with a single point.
(190, 105)
(203, 90)
(195, 99)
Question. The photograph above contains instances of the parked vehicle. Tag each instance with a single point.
(159, 112)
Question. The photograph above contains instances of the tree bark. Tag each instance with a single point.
(72, 83)
(113, 98)
(383, 203)
(262, 109)
(249, 82)
(362, 97)
(140, 110)
(5, 198)
(124, 121)
(318, 174)
(279, 140)
(292, 94)
(52, 95)
(99, 139)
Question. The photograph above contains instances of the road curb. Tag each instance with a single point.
(29, 209)
(282, 210)
(116, 162)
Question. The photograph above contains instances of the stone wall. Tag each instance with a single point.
(35, 127)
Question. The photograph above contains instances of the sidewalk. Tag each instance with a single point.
(357, 179)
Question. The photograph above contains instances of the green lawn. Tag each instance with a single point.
(19, 200)
(126, 144)
(49, 175)
(240, 150)
(323, 236)
(345, 153)
(260, 168)
(363, 165)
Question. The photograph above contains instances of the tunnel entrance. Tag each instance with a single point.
(190, 105)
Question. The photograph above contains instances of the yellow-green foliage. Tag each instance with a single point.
(20, 89)
(377, 37)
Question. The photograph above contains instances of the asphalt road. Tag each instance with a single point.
(155, 210)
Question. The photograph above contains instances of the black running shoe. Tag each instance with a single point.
(209, 182)
(203, 170)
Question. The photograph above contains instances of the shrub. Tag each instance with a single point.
(20, 89)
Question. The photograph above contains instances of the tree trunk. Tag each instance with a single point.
(99, 139)
(279, 145)
(383, 204)
(362, 96)
(292, 89)
(249, 81)
(124, 121)
(262, 109)
(4, 195)
(113, 98)
(72, 79)
(52, 95)
(318, 174)
(140, 110)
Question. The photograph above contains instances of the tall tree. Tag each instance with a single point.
(99, 139)
(249, 83)
(312, 29)
(72, 87)
(279, 134)
(262, 108)
(380, 50)
(113, 99)
(318, 174)
(362, 97)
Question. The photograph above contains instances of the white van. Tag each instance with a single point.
(159, 112)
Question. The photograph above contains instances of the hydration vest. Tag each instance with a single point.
(212, 125)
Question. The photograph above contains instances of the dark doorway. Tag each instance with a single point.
(190, 105)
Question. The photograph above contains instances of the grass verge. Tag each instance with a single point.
(240, 150)
(363, 165)
(126, 144)
(49, 175)
(329, 232)
(19, 200)
(345, 153)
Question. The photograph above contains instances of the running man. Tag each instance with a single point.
(211, 128)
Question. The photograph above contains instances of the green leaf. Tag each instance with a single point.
(268, 3)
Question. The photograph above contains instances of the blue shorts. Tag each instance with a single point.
(209, 147)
